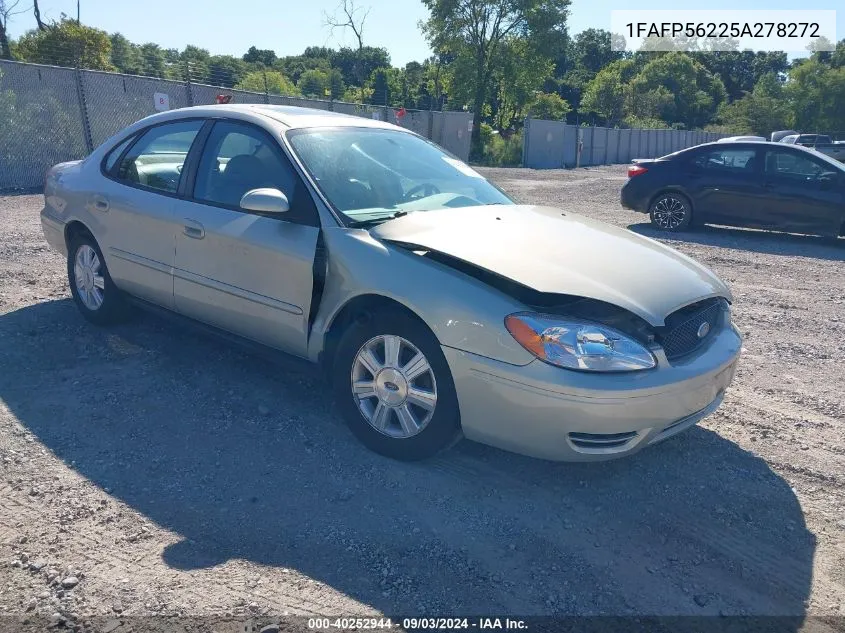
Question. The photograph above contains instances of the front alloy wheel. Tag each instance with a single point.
(393, 386)
(671, 212)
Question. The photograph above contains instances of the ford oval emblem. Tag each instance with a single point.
(703, 330)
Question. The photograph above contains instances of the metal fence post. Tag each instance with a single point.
(189, 94)
(526, 131)
(83, 112)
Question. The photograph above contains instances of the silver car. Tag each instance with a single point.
(439, 307)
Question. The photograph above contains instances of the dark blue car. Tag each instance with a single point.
(754, 184)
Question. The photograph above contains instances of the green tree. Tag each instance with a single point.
(817, 93)
(225, 70)
(154, 61)
(516, 83)
(195, 61)
(67, 43)
(265, 57)
(270, 81)
(357, 65)
(550, 107)
(741, 70)
(677, 89)
(313, 83)
(125, 55)
(476, 29)
(761, 111)
(605, 94)
(592, 50)
(336, 85)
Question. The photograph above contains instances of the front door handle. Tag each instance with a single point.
(101, 203)
(194, 229)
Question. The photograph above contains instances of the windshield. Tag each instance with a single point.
(370, 175)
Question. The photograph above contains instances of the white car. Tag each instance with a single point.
(742, 139)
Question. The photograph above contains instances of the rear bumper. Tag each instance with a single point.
(632, 199)
(551, 413)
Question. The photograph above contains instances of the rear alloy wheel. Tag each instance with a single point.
(671, 212)
(95, 294)
(394, 387)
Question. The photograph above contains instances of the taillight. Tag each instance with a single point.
(636, 170)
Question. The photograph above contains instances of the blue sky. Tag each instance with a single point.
(288, 26)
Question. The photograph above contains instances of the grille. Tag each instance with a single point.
(681, 337)
(601, 440)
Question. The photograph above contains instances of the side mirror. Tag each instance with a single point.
(265, 201)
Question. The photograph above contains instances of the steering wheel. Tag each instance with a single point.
(426, 188)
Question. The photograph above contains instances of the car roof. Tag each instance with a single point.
(288, 116)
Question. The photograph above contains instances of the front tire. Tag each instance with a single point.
(671, 211)
(394, 387)
(93, 290)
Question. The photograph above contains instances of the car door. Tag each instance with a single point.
(246, 272)
(799, 198)
(135, 205)
(726, 184)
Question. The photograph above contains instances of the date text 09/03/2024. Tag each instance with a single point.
(416, 624)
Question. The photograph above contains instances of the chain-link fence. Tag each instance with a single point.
(50, 114)
(555, 144)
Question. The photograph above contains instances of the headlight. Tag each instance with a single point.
(578, 344)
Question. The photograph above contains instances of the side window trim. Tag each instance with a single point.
(192, 161)
(276, 146)
(138, 135)
(133, 138)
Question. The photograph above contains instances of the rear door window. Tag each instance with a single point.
(157, 159)
(729, 160)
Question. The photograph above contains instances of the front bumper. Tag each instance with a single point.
(54, 232)
(553, 413)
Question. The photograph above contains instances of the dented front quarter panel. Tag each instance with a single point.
(463, 313)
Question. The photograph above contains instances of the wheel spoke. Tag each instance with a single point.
(88, 256)
(392, 346)
(96, 297)
(422, 398)
(407, 421)
(369, 361)
(95, 263)
(381, 416)
(364, 389)
(99, 282)
(415, 367)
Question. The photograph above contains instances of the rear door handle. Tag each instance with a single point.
(194, 229)
(101, 203)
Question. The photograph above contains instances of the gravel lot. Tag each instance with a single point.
(149, 470)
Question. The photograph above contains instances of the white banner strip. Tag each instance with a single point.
(789, 31)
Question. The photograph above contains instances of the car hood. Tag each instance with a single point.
(564, 253)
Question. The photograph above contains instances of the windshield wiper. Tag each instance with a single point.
(357, 224)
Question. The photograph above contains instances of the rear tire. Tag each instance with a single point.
(394, 388)
(93, 290)
(671, 211)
